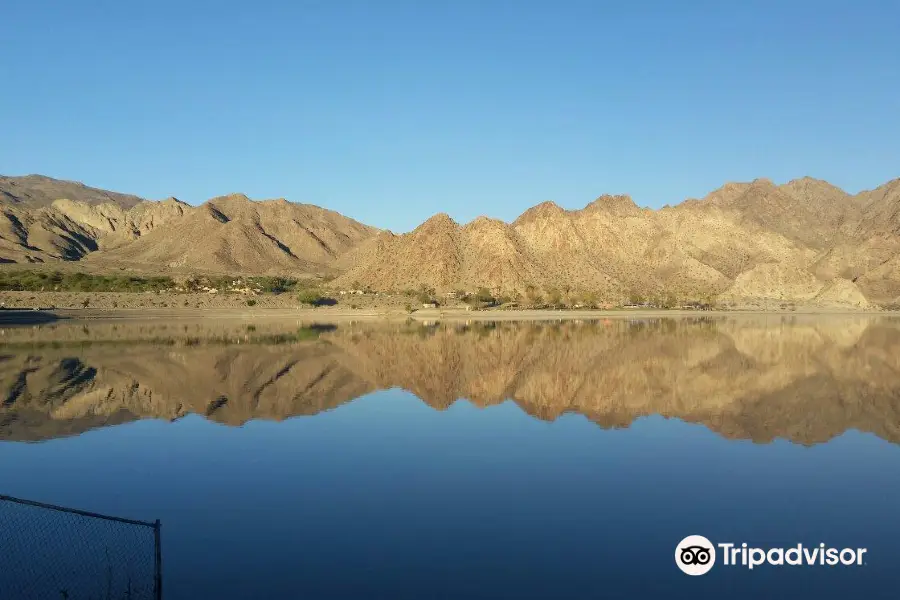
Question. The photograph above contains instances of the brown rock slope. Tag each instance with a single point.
(804, 380)
(34, 191)
(233, 234)
(804, 241)
(230, 234)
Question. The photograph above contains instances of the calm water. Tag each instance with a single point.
(560, 460)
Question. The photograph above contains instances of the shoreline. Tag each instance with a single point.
(53, 315)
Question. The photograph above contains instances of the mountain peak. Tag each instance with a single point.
(483, 222)
(441, 220)
(233, 197)
(544, 210)
(618, 204)
(810, 189)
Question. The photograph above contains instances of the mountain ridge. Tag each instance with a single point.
(819, 242)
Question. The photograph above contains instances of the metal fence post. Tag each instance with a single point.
(156, 535)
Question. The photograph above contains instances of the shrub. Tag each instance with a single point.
(251, 302)
(534, 296)
(274, 285)
(314, 297)
(484, 295)
(426, 295)
(34, 281)
(554, 296)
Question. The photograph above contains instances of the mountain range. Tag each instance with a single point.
(805, 241)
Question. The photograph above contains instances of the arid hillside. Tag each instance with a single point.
(744, 244)
(760, 379)
(233, 234)
(35, 191)
(750, 245)
(230, 234)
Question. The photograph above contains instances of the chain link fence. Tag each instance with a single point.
(51, 552)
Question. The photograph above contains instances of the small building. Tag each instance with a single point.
(429, 305)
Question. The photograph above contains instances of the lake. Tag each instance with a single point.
(457, 460)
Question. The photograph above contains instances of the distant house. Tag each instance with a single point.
(429, 305)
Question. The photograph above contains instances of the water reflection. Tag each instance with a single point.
(803, 379)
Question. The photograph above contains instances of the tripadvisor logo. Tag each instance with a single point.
(696, 555)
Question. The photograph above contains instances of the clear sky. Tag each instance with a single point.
(390, 111)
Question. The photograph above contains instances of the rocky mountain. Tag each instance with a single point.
(230, 234)
(753, 244)
(745, 243)
(805, 380)
(233, 234)
(34, 191)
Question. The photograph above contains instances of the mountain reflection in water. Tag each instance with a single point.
(805, 379)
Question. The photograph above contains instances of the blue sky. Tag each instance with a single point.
(390, 111)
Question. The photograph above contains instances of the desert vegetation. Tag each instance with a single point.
(38, 281)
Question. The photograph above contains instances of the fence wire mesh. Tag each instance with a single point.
(49, 552)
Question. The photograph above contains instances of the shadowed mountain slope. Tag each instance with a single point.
(232, 234)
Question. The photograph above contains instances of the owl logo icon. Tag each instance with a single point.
(695, 555)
